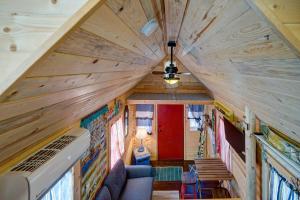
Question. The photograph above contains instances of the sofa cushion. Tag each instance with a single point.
(138, 189)
(103, 194)
(138, 171)
(116, 180)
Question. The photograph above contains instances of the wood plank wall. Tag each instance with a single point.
(89, 68)
(243, 61)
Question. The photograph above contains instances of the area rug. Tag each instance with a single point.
(165, 195)
(170, 173)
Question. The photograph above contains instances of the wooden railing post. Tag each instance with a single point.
(250, 144)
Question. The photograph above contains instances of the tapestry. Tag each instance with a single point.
(113, 111)
(288, 149)
(94, 163)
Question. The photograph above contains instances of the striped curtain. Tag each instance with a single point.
(144, 116)
(280, 189)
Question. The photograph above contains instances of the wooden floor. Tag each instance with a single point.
(165, 195)
(175, 185)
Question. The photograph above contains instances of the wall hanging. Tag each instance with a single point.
(94, 163)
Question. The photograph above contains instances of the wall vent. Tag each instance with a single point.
(42, 156)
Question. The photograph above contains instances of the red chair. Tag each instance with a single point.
(188, 186)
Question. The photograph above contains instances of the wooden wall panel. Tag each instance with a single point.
(244, 62)
(48, 85)
(52, 119)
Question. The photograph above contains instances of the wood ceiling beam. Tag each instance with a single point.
(9, 74)
(283, 16)
(174, 11)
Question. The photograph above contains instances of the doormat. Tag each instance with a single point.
(171, 173)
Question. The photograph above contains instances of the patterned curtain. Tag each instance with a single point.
(195, 113)
(280, 189)
(144, 116)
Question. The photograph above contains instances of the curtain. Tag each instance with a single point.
(144, 116)
(195, 113)
(212, 142)
(279, 188)
(117, 142)
(63, 189)
(224, 145)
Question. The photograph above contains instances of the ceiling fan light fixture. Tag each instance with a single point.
(171, 81)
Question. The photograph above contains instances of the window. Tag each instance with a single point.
(144, 116)
(63, 189)
(195, 113)
(116, 141)
(126, 120)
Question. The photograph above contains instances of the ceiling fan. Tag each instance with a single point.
(171, 74)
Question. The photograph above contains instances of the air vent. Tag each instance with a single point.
(61, 142)
(45, 154)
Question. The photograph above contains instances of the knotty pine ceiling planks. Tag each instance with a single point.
(90, 67)
(234, 52)
(243, 61)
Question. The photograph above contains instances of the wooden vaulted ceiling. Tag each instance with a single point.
(244, 60)
(226, 44)
(101, 58)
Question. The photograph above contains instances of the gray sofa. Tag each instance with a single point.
(132, 182)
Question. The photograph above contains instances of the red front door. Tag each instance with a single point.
(170, 132)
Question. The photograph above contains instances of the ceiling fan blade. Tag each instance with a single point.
(184, 73)
(158, 72)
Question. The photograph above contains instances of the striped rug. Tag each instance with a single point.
(170, 173)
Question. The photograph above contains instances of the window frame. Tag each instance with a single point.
(126, 121)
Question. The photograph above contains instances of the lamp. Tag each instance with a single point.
(171, 78)
(141, 134)
(171, 81)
